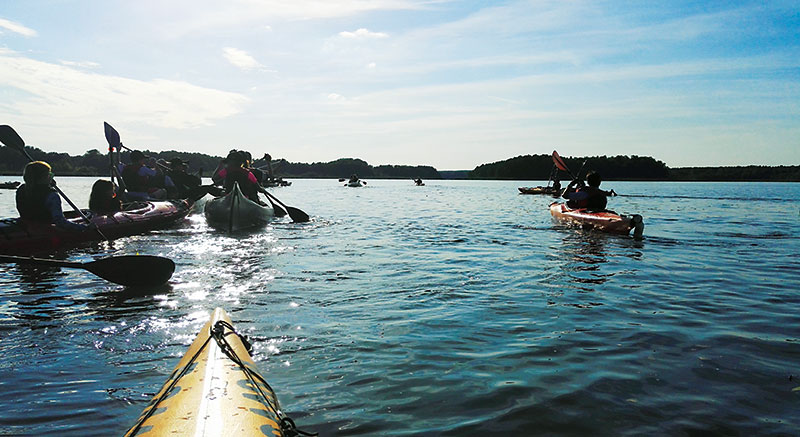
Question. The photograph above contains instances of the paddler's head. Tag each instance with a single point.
(234, 159)
(593, 179)
(37, 173)
(103, 189)
(137, 157)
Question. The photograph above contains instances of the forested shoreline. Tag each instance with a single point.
(525, 167)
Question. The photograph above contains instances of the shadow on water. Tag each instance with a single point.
(118, 302)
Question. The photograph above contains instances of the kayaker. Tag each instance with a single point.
(556, 185)
(139, 179)
(248, 164)
(353, 178)
(103, 199)
(234, 171)
(588, 195)
(267, 176)
(186, 185)
(38, 202)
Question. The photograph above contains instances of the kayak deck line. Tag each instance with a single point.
(214, 390)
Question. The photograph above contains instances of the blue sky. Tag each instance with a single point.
(452, 84)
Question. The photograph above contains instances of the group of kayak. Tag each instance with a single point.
(147, 195)
(586, 203)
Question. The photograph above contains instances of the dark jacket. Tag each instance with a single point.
(31, 203)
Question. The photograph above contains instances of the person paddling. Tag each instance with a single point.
(588, 195)
(186, 185)
(137, 176)
(234, 172)
(38, 202)
(103, 199)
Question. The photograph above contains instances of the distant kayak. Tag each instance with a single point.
(354, 184)
(235, 212)
(276, 183)
(215, 390)
(537, 190)
(605, 221)
(10, 185)
(137, 218)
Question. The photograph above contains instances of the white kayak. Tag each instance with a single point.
(357, 183)
(234, 212)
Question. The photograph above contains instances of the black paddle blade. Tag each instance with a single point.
(10, 138)
(278, 211)
(112, 136)
(297, 215)
(133, 270)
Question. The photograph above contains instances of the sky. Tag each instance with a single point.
(452, 84)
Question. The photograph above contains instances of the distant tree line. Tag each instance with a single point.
(538, 167)
(527, 167)
(787, 173)
(348, 166)
(96, 163)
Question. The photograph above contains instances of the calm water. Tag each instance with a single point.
(458, 308)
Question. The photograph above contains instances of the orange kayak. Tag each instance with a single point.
(605, 221)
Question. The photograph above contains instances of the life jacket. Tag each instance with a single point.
(133, 180)
(596, 199)
(240, 175)
(30, 203)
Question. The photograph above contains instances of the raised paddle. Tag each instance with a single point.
(112, 136)
(128, 270)
(10, 138)
(297, 215)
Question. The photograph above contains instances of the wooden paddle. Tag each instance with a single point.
(10, 138)
(297, 215)
(128, 270)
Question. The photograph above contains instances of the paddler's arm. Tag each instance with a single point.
(569, 189)
(53, 204)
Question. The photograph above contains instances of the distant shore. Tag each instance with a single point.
(520, 168)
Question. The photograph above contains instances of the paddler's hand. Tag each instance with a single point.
(612, 192)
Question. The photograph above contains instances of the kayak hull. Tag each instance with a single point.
(16, 236)
(235, 212)
(537, 190)
(355, 184)
(605, 221)
(208, 394)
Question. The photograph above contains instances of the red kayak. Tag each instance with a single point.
(137, 218)
(605, 221)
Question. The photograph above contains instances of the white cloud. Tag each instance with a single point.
(363, 33)
(16, 28)
(80, 64)
(62, 97)
(240, 58)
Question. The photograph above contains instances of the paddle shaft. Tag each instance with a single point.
(41, 261)
(296, 214)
